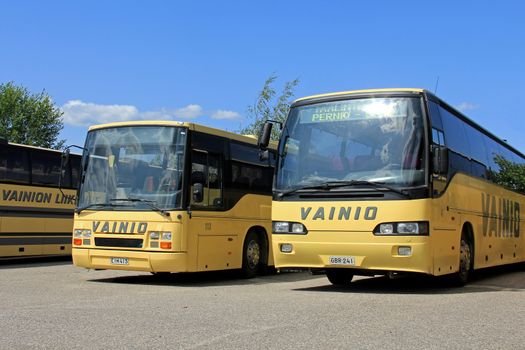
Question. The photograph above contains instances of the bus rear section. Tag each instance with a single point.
(36, 217)
(173, 197)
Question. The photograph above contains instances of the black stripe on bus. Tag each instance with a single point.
(35, 241)
(35, 212)
(26, 234)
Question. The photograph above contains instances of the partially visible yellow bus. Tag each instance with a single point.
(163, 196)
(392, 180)
(36, 217)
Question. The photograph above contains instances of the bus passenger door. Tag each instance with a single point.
(215, 243)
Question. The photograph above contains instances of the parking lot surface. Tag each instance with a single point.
(50, 304)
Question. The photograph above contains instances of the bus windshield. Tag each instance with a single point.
(135, 167)
(377, 140)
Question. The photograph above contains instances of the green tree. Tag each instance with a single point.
(510, 174)
(269, 106)
(30, 119)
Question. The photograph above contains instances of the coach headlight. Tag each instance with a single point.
(286, 227)
(79, 233)
(402, 229)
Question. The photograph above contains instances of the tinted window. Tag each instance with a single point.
(435, 118)
(493, 150)
(476, 141)
(250, 177)
(45, 168)
(14, 164)
(245, 153)
(456, 137)
(206, 169)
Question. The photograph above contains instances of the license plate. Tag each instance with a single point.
(120, 261)
(342, 260)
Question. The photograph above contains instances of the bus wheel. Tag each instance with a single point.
(465, 262)
(339, 277)
(251, 255)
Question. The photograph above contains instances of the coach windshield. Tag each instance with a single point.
(379, 140)
(134, 167)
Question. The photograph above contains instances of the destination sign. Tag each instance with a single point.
(353, 110)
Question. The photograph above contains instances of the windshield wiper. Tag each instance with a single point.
(149, 203)
(328, 185)
(93, 205)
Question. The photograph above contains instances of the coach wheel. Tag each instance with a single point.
(465, 262)
(339, 277)
(251, 255)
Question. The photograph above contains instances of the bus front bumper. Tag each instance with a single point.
(387, 254)
(130, 260)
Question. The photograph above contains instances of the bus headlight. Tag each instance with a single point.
(289, 227)
(402, 228)
(78, 233)
(154, 235)
(166, 236)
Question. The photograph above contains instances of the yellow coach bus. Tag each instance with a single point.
(36, 217)
(172, 197)
(392, 180)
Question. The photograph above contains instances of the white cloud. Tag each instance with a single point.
(189, 112)
(79, 113)
(465, 106)
(227, 115)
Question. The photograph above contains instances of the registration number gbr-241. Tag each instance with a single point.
(342, 260)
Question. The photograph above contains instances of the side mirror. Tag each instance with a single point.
(264, 137)
(264, 155)
(440, 159)
(198, 192)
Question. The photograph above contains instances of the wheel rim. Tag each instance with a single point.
(253, 254)
(465, 258)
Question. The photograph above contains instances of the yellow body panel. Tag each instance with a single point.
(498, 234)
(203, 242)
(35, 221)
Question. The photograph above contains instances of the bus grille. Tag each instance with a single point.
(118, 242)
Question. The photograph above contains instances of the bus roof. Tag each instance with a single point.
(33, 147)
(358, 92)
(191, 126)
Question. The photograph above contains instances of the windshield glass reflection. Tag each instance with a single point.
(373, 139)
(134, 167)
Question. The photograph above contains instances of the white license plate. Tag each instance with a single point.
(342, 260)
(120, 261)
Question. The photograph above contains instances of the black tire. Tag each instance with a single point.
(339, 277)
(252, 255)
(460, 278)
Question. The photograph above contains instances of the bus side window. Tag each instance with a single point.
(214, 180)
(17, 165)
(206, 169)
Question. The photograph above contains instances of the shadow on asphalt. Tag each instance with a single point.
(203, 279)
(504, 278)
(30, 262)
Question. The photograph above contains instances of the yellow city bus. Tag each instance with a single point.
(392, 180)
(165, 196)
(36, 217)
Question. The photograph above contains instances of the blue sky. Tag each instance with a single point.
(205, 61)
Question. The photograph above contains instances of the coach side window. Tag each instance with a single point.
(16, 165)
(45, 168)
(206, 169)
